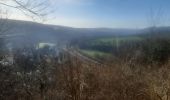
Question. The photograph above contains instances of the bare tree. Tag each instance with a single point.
(31, 8)
(155, 19)
(35, 9)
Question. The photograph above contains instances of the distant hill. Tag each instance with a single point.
(25, 31)
(156, 32)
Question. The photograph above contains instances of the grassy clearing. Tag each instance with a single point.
(103, 47)
(114, 40)
(94, 53)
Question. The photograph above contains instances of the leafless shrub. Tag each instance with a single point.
(74, 79)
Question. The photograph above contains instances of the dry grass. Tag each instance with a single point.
(77, 80)
(114, 82)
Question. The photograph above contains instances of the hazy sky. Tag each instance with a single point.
(108, 13)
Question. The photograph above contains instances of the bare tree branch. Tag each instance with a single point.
(30, 8)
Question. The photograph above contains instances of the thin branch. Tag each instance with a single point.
(29, 7)
(8, 5)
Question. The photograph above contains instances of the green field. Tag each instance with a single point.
(114, 40)
(94, 53)
(104, 47)
(119, 39)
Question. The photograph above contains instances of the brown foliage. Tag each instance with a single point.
(74, 79)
